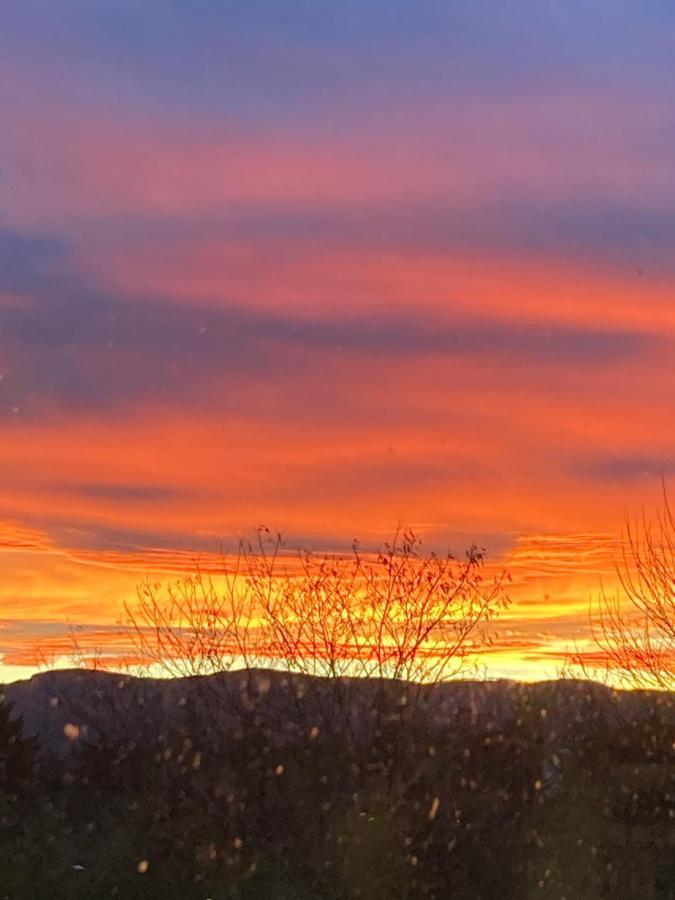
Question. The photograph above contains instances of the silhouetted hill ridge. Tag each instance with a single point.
(63, 706)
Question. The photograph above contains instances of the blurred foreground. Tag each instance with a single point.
(266, 785)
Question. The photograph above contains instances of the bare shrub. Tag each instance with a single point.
(634, 629)
(398, 614)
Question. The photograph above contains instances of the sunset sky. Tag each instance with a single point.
(331, 266)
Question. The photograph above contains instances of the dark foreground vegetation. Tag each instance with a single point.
(264, 785)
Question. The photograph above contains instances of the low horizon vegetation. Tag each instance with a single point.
(399, 613)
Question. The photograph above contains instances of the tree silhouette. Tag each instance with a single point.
(17, 752)
(399, 614)
(635, 628)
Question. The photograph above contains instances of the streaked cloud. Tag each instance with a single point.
(628, 467)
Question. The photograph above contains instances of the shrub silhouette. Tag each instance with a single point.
(399, 613)
(635, 629)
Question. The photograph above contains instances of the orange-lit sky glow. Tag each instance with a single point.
(331, 267)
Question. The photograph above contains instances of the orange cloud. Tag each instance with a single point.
(361, 396)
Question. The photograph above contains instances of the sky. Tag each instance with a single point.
(331, 267)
